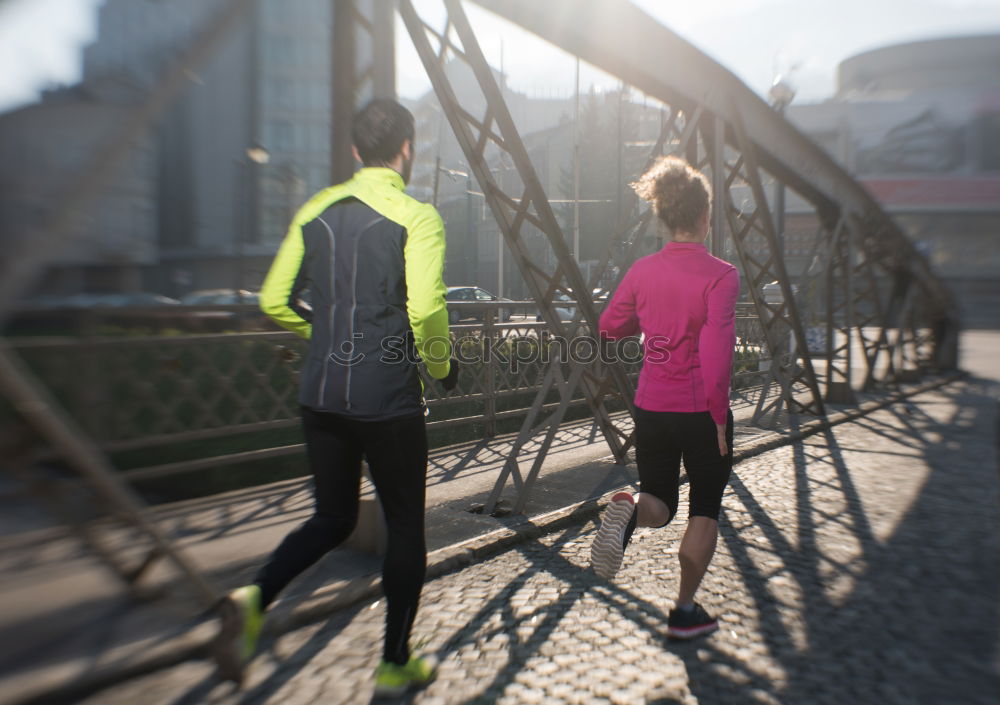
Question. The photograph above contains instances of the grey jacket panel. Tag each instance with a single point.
(362, 360)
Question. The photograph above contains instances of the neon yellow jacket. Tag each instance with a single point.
(371, 258)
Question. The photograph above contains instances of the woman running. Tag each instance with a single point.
(682, 299)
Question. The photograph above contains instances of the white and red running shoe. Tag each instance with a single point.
(609, 545)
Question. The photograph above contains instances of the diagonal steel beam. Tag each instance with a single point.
(782, 149)
(839, 316)
(772, 319)
(567, 275)
(29, 397)
(868, 304)
(628, 237)
(34, 249)
(532, 206)
(43, 414)
(661, 64)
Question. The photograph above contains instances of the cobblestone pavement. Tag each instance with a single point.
(858, 566)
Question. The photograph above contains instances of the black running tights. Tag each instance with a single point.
(663, 439)
(396, 451)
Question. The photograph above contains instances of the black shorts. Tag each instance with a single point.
(663, 439)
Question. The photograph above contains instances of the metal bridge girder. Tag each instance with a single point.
(725, 116)
(839, 315)
(513, 212)
(710, 112)
(780, 149)
(34, 404)
(358, 23)
(675, 72)
(784, 320)
(33, 251)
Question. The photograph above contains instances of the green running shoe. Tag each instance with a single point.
(393, 680)
(242, 619)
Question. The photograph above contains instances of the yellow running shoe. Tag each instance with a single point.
(393, 680)
(242, 618)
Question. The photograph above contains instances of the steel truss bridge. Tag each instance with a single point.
(887, 316)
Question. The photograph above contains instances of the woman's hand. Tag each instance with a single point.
(721, 434)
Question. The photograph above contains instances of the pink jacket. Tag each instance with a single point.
(683, 299)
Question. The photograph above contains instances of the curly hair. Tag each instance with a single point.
(680, 194)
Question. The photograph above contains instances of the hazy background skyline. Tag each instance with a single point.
(41, 41)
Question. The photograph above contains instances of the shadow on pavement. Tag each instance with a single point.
(846, 601)
(482, 625)
(846, 605)
(283, 669)
(905, 615)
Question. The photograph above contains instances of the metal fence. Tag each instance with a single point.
(135, 380)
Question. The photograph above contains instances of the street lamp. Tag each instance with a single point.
(782, 94)
(258, 154)
(470, 235)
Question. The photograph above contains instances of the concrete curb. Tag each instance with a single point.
(194, 643)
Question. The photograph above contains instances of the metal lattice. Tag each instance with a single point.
(879, 299)
(39, 410)
(515, 213)
(782, 321)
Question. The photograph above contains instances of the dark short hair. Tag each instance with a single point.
(680, 194)
(379, 130)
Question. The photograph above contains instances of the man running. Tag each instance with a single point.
(371, 258)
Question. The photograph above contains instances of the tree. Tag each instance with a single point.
(608, 121)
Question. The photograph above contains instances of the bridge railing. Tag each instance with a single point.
(149, 388)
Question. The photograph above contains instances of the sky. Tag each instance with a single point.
(804, 40)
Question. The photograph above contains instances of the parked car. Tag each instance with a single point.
(135, 299)
(68, 314)
(252, 319)
(598, 296)
(219, 297)
(138, 299)
(473, 294)
(565, 313)
(60, 315)
(773, 294)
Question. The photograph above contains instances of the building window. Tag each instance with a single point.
(275, 224)
(319, 177)
(281, 91)
(278, 49)
(283, 136)
(989, 138)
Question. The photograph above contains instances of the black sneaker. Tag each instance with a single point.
(687, 624)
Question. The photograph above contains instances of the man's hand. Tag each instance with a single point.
(450, 380)
(721, 433)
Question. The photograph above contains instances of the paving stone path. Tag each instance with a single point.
(861, 565)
